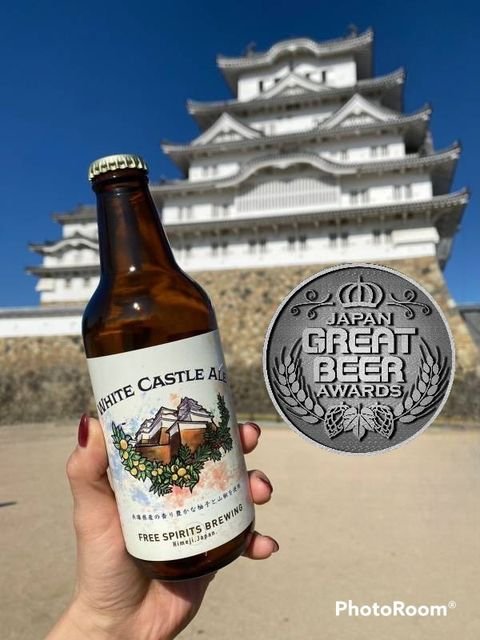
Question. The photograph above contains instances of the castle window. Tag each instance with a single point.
(291, 243)
(397, 192)
(226, 208)
(180, 213)
(332, 240)
(86, 282)
(307, 76)
(374, 152)
(260, 86)
(188, 211)
(68, 283)
(353, 197)
(323, 76)
(224, 247)
(204, 171)
(376, 236)
(365, 195)
(344, 154)
(344, 239)
(303, 242)
(252, 245)
(214, 248)
(188, 250)
(384, 150)
(262, 245)
(408, 191)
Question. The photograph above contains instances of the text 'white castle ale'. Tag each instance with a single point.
(161, 390)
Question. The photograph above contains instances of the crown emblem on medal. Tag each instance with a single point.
(360, 294)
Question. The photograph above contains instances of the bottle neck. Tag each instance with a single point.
(131, 235)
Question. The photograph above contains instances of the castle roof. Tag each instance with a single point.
(83, 213)
(54, 311)
(75, 241)
(389, 88)
(81, 270)
(359, 45)
(413, 126)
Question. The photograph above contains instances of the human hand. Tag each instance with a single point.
(113, 598)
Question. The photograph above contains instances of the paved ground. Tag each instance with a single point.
(400, 526)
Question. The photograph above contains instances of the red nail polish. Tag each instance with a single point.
(83, 431)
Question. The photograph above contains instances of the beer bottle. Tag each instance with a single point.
(160, 385)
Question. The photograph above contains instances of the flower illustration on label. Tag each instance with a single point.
(171, 447)
(366, 370)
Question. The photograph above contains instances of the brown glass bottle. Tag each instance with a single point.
(144, 299)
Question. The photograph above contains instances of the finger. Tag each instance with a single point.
(260, 487)
(94, 500)
(261, 547)
(249, 434)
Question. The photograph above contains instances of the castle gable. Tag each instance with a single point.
(359, 110)
(226, 128)
(293, 84)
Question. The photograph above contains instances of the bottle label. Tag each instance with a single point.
(175, 457)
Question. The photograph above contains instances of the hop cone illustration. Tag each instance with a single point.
(334, 420)
(384, 420)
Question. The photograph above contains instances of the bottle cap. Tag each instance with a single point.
(116, 162)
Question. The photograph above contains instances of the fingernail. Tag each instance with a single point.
(276, 546)
(267, 482)
(256, 427)
(83, 431)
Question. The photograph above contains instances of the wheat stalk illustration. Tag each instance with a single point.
(292, 389)
(424, 395)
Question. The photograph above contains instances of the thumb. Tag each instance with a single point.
(94, 500)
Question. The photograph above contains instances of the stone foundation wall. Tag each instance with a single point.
(46, 378)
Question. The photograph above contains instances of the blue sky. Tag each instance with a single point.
(81, 79)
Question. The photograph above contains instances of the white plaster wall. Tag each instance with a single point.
(298, 120)
(71, 257)
(214, 167)
(88, 229)
(356, 150)
(415, 236)
(58, 290)
(340, 72)
(70, 325)
(357, 246)
(381, 189)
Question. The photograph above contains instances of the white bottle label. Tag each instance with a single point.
(174, 450)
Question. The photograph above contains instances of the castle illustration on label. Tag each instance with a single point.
(160, 437)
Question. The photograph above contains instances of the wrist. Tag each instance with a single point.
(81, 622)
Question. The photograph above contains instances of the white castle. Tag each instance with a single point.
(311, 161)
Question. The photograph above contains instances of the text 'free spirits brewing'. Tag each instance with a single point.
(161, 390)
